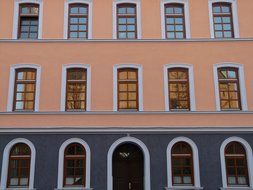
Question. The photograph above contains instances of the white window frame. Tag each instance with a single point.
(234, 14)
(186, 15)
(115, 84)
(195, 156)
(146, 155)
(5, 164)
(191, 85)
(66, 16)
(12, 85)
(249, 162)
(138, 15)
(64, 83)
(61, 164)
(16, 17)
(243, 93)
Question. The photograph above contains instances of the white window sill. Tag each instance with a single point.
(184, 188)
(236, 188)
(74, 188)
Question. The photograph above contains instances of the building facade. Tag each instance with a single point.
(126, 94)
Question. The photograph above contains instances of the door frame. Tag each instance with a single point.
(146, 155)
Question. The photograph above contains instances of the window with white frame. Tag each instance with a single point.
(223, 19)
(179, 87)
(236, 164)
(76, 86)
(18, 165)
(175, 19)
(74, 165)
(230, 87)
(27, 23)
(24, 88)
(183, 164)
(126, 19)
(78, 19)
(127, 88)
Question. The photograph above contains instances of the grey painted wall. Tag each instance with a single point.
(47, 147)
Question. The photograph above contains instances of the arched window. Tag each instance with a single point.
(74, 166)
(78, 20)
(128, 89)
(28, 21)
(236, 165)
(126, 21)
(223, 20)
(175, 21)
(178, 87)
(182, 165)
(230, 98)
(19, 166)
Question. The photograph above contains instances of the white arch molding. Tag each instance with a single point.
(186, 16)
(234, 15)
(191, 84)
(138, 16)
(61, 164)
(16, 17)
(146, 155)
(5, 163)
(12, 84)
(197, 185)
(66, 16)
(242, 86)
(249, 156)
(115, 84)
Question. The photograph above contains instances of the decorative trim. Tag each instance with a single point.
(249, 162)
(186, 14)
(16, 17)
(146, 161)
(66, 15)
(64, 81)
(115, 84)
(127, 129)
(12, 85)
(234, 14)
(243, 93)
(195, 163)
(191, 85)
(5, 164)
(61, 163)
(138, 15)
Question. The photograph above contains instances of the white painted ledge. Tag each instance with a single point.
(184, 188)
(236, 188)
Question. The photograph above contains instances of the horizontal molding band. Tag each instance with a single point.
(126, 130)
(124, 113)
(126, 41)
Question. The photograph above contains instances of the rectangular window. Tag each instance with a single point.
(78, 21)
(28, 21)
(229, 88)
(179, 98)
(128, 89)
(126, 21)
(174, 21)
(223, 20)
(25, 88)
(76, 88)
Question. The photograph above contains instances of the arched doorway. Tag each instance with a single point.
(128, 167)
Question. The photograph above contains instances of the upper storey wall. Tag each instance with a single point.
(102, 19)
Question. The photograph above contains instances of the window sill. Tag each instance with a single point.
(236, 188)
(17, 188)
(184, 188)
(74, 188)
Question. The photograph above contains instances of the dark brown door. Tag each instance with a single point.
(128, 168)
